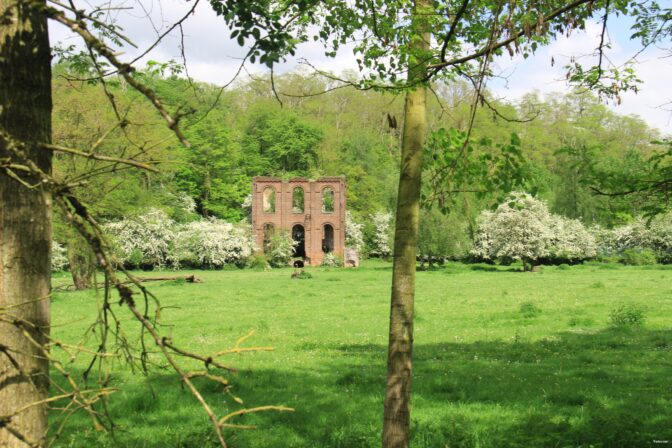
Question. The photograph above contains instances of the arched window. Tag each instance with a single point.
(269, 233)
(298, 200)
(269, 200)
(327, 238)
(328, 200)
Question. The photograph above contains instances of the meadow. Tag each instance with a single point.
(502, 358)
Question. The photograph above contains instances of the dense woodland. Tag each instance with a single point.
(555, 147)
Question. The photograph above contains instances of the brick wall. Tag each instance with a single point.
(313, 219)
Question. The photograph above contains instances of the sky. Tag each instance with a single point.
(213, 57)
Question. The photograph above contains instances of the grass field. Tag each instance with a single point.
(502, 359)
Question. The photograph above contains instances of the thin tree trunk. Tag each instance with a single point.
(397, 416)
(81, 264)
(25, 225)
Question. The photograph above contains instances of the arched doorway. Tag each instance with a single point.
(299, 236)
(327, 238)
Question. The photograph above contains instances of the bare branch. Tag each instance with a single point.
(490, 47)
(91, 155)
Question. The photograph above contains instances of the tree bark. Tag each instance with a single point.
(25, 225)
(396, 422)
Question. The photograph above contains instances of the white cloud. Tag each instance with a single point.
(537, 73)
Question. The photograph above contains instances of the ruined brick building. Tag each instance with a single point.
(312, 210)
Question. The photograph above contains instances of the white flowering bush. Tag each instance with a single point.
(281, 249)
(604, 241)
(522, 228)
(332, 261)
(144, 240)
(59, 257)
(187, 204)
(614, 242)
(247, 205)
(213, 243)
(354, 235)
(638, 236)
(631, 236)
(379, 244)
(571, 241)
(660, 237)
(154, 240)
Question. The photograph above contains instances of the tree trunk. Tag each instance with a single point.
(25, 225)
(396, 422)
(81, 264)
(206, 192)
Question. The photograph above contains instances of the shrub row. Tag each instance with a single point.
(522, 228)
(153, 240)
(640, 242)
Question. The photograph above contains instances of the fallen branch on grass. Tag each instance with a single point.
(186, 278)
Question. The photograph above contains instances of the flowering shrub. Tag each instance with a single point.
(59, 257)
(522, 228)
(280, 249)
(354, 237)
(332, 261)
(187, 204)
(604, 240)
(146, 239)
(380, 238)
(631, 236)
(153, 239)
(213, 243)
(571, 240)
(660, 237)
(636, 237)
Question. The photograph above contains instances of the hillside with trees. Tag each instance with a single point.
(563, 144)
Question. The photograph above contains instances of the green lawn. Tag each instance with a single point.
(502, 359)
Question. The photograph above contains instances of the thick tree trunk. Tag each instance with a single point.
(25, 225)
(397, 416)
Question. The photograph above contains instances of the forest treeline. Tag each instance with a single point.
(552, 146)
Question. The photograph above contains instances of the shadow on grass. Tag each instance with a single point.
(607, 389)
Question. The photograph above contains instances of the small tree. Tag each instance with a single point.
(440, 236)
